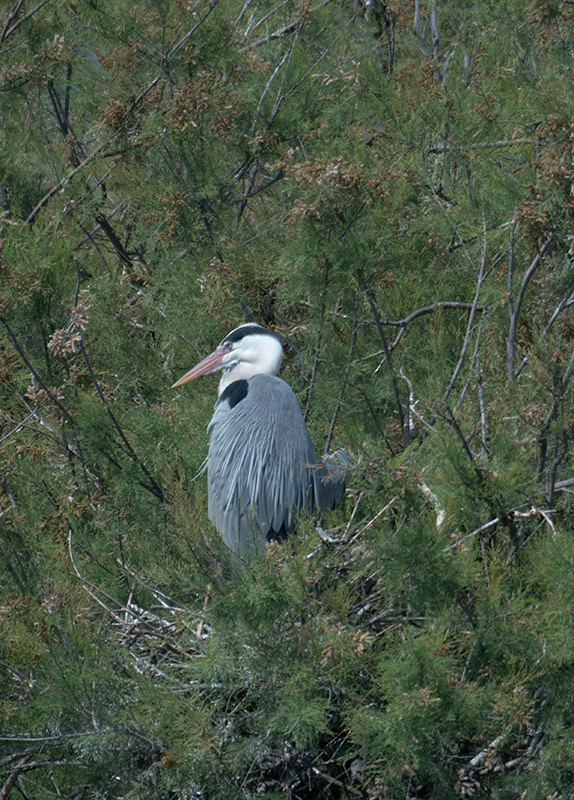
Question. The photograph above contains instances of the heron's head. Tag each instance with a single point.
(249, 350)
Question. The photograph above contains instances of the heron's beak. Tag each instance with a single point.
(209, 364)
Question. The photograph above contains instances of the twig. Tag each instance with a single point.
(424, 422)
(19, 426)
(470, 323)
(445, 148)
(514, 513)
(317, 349)
(448, 218)
(56, 188)
(90, 587)
(246, 194)
(184, 40)
(355, 507)
(9, 495)
(105, 226)
(482, 528)
(7, 32)
(410, 407)
(383, 338)
(430, 309)
(344, 382)
(565, 303)
(372, 521)
(473, 361)
(59, 737)
(286, 57)
(515, 310)
(469, 454)
(257, 24)
(483, 434)
(89, 158)
(339, 784)
(153, 486)
(280, 32)
(25, 765)
(560, 450)
(44, 386)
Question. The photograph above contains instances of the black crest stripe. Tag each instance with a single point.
(247, 330)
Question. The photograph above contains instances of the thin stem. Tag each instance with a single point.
(515, 313)
(383, 338)
(344, 383)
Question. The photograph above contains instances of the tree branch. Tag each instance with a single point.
(8, 31)
(44, 386)
(515, 311)
(87, 160)
(400, 411)
(344, 382)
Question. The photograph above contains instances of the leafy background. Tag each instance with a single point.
(390, 184)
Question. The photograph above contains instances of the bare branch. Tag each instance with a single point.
(63, 182)
(430, 309)
(344, 382)
(439, 510)
(8, 30)
(283, 31)
(435, 33)
(9, 495)
(89, 158)
(44, 386)
(315, 363)
(174, 49)
(383, 338)
(153, 486)
(446, 148)
(410, 406)
(482, 274)
(330, 781)
(285, 58)
(564, 304)
(483, 433)
(511, 271)
(19, 426)
(469, 328)
(278, 34)
(515, 312)
(482, 528)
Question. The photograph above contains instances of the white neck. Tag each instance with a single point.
(240, 371)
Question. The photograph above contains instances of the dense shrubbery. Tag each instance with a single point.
(390, 185)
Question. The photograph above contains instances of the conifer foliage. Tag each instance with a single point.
(389, 183)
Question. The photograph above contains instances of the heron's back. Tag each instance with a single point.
(260, 463)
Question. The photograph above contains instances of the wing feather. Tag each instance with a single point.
(259, 465)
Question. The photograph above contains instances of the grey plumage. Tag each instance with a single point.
(261, 464)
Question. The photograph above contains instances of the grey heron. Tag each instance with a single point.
(261, 462)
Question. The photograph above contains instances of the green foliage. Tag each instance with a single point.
(391, 187)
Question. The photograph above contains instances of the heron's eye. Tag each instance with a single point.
(229, 345)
